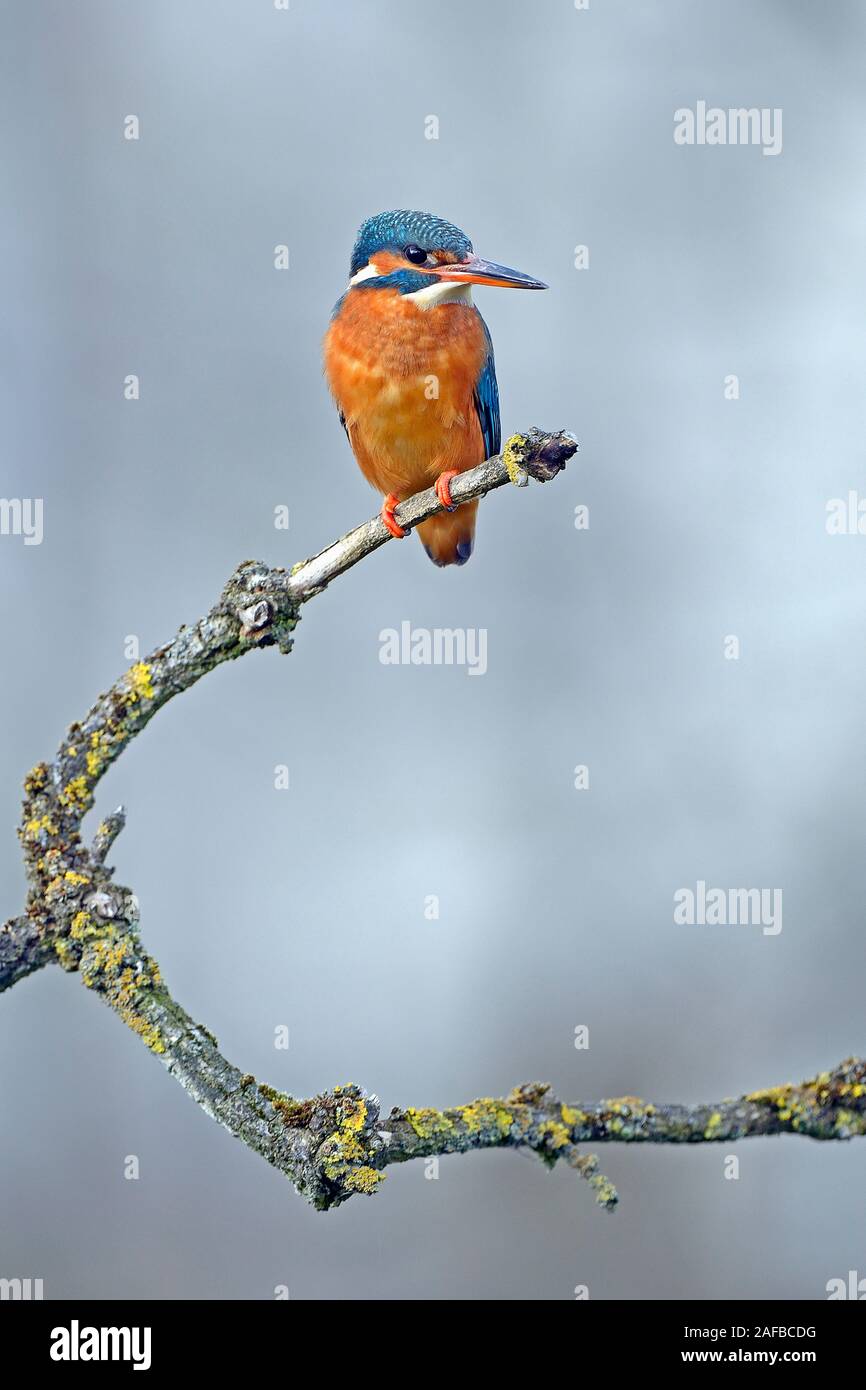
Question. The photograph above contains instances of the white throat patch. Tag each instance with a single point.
(368, 272)
(438, 292)
(441, 292)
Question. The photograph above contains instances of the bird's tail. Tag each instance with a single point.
(449, 537)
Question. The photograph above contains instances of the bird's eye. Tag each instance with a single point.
(415, 254)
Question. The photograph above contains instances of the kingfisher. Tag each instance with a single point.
(409, 362)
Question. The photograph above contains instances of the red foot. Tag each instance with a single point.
(443, 489)
(387, 515)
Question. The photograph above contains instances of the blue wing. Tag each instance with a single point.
(487, 400)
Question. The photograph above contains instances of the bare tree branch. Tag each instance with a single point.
(533, 455)
(334, 1145)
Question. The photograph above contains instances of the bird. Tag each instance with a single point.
(409, 362)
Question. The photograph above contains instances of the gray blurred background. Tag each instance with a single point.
(707, 518)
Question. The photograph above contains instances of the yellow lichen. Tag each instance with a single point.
(512, 456)
(773, 1095)
(486, 1113)
(75, 794)
(630, 1105)
(72, 877)
(848, 1120)
(364, 1179)
(427, 1124)
(354, 1115)
(34, 827)
(345, 1158)
(139, 683)
(572, 1116)
(82, 927)
(104, 968)
(65, 954)
(99, 745)
(148, 1032)
(605, 1193)
(36, 779)
(556, 1136)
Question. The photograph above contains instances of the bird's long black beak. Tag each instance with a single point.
(475, 271)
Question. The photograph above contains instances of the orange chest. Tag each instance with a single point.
(393, 367)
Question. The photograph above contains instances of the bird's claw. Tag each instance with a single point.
(443, 489)
(388, 517)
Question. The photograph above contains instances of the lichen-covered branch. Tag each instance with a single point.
(336, 1144)
(69, 898)
(23, 949)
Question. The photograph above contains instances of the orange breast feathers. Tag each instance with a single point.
(404, 380)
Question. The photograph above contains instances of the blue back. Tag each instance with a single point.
(487, 400)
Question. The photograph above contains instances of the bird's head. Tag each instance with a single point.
(425, 257)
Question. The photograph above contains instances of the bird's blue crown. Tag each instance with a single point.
(392, 231)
